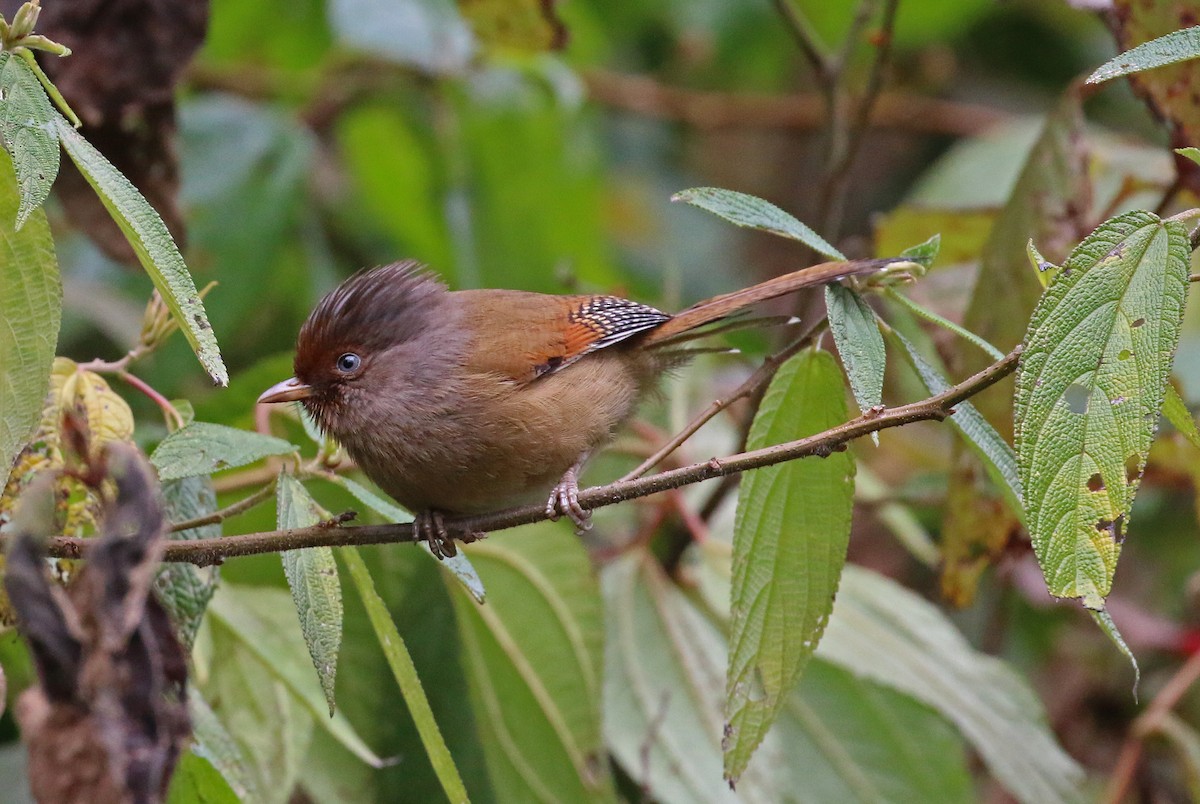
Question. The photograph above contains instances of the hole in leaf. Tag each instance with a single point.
(1124, 354)
(1138, 323)
(1133, 468)
(1076, 397)
(1095, 483)
(1115, 528)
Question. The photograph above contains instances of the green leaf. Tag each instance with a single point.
(30, 313)
(924, 253)
(844, 738)
(790, 538)
(859, 342)
(26, 124)
(260, 623)
(213, 742)
(883, 632)
(152, 243)
(1090, 390)
(1176, 412)
(401, 663)
(1174, 47)
(459, 565)
(183, 588)
(998, 457)
(1190, 153)
(313, 578)
(1105, 621)
(196, 781)
(533, 654)
(754, 213)
(945, 323)
(202, 448)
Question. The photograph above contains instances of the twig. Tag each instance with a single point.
(1146, 724)
(204, 552)
(229, 511)
(710, 110)
(802, 33)
(169, 412)
(760, 377)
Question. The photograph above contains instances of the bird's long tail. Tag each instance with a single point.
(718, 307)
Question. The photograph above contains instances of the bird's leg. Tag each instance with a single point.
(564, 499)
(431, 527)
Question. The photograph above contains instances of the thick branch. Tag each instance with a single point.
(203, 552)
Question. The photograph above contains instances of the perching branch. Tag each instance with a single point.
(204, 552)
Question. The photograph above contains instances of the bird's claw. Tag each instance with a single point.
(430, 527)
(564, 500)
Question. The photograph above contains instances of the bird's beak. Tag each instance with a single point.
(290, 390)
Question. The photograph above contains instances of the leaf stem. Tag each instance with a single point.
(228, 512)
(48, 85)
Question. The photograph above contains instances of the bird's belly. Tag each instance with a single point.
(503, 444)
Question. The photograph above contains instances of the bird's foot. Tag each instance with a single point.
(564, 501)
(430, 527)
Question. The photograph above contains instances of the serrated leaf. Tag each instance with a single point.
(1089, 393)
(152, 243)
(533, 655)
(261, 624)
(924, 253)
(755, 213)
(30, 313)
(202, 448)
(838, 737)
(860, 344)
(881, 631)
(459, 565)
(405, 672)
(789, 546)
(313, 578)
(997, 456)
(26, 124)
(183, 588)
(1174, 47)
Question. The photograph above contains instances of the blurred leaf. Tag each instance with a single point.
(183, 588)
(260, 623)
(152, 243)
(755, 213)
(998, 457)
(860, 344)
(269, 725)
(837, 738)
(1089, 393)
(881, 631)
(196, 781)
(30, 312)
(394, 171)
(313, 578)
(215, 744)
(1173, 47)
(533, 654)
(405, 673)
(789, 546)
(962, 232)
(459, 564)
(202, 448)
(1184, 738)
(925, 252)
(287, 34)
(430, 35)
(522, 25)
(1190, 153)
(1177, 413)
(29, 137)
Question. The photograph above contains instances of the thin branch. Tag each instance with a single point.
(761, 376)
(169, 412)
(204, 552)
(228, 512)
(1148, 723)
(818, 59)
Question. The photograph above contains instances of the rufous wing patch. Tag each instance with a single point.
(595, 323)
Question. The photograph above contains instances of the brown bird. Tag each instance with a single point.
(462, 402)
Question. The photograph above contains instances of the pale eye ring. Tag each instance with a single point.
(348, 363)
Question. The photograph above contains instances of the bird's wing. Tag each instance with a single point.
(524, 336)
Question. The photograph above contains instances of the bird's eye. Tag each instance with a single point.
(348, 363)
